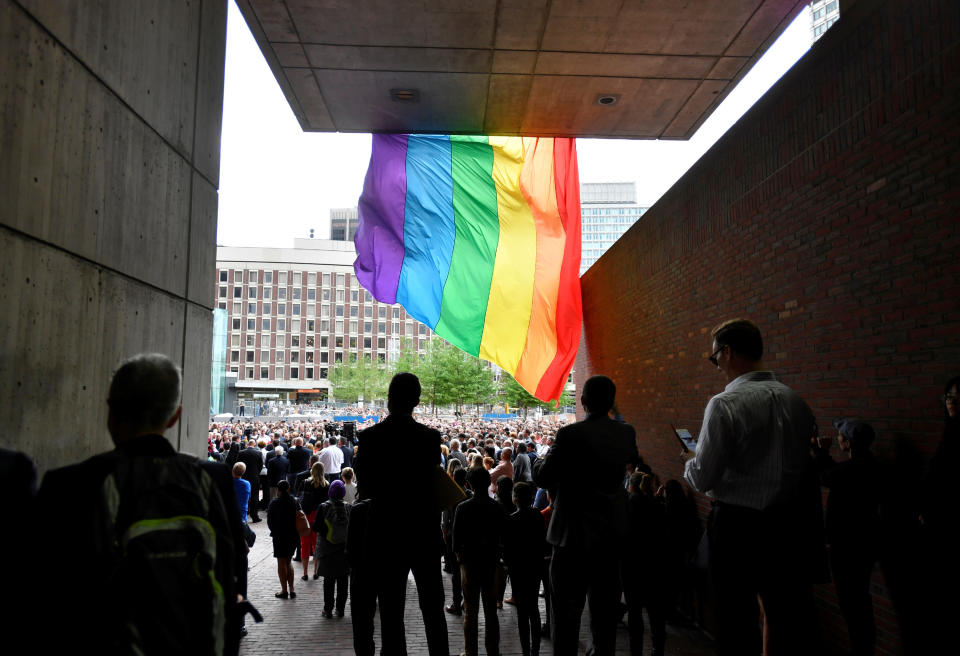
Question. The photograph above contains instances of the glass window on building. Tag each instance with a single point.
(340, 296)
(266, 307)
(339, 327)
(295, 341)
(251, 340)
(325, 325)
(311, 294)
(367, 298)
(353, 342)
(235, 340)
(235, 324)
(238, 276)
(283, 278)
(381, 327)
(267, 280)
(325, 295)
(396, 313)
(282, 293)
(251, 308)
(368, 312)
(296, 293)
(253, 277)
(238, 292)
(326, 280)
(309, 356)
(381, 343)
(223, 292)
(311, 326)
(367, 342)
(353, 327)
(294, 356)
(234, 356)
(339, 311)
(338, 341)
(295, 326)
(252, 324)
(323, 373)
(324, 341)
(310, 341)
(339, 280)
(264, 373)
(264, 356)
(324, 357)
(281, 308)
(354, 311)
(223, 276)
(294, 373)
(267, 293)
(251, 356)
(355, 296)
(296, 309)
(382, 312)
(312, 279)
(423, 329)
(367, 326)
(249, 373)
(279, 356)
(265, 325)
(297, 279)
(278, 373)
(281, 340)
(396, 327)
(281, 324)
(311, 310)
(324, 310)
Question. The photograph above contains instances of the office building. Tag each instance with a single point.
(823, 14)
(293, 313)
(607, 209)
(343, 223)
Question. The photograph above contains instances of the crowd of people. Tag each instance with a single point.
(570, 509)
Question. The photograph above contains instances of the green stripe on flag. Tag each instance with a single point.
(464, 303)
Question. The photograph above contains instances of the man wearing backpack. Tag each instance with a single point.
(154, 537)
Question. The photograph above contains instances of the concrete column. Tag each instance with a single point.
(110, 145)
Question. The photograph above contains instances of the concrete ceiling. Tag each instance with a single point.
(533, 67)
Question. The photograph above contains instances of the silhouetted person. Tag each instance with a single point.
(253, 459)
(524, 543)
(644, 567)
(852, 526)
(753, 459)
(392, 516)
(588, 525)
(151, 575)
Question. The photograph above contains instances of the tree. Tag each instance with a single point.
(432, 372)
(358, 378)
(516, 396)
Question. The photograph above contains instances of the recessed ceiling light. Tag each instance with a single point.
(607, 99)
(405, 95)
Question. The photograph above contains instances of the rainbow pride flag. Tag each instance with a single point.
(479, 238)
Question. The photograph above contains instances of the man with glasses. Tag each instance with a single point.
(753, 459)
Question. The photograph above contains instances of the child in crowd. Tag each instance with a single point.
(524, 543)
(331, 526)
(346, 475)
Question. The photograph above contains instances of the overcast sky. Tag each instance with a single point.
(277, 182)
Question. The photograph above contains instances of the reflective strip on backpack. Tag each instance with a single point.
(206, 530)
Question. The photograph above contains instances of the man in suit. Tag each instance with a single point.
(299, 457)
(409, 526)
(587, 528)
(277, 469)
(252, 458)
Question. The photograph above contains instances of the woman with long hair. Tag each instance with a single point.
(282, 521)
(314, 493)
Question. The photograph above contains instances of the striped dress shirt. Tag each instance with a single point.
(754, 445)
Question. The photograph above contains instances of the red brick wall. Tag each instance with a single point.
(830, 215)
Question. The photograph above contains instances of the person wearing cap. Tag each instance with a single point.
(852, 525)
(753, 459)
(330, 525)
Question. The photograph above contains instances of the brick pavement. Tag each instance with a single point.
(297, 628)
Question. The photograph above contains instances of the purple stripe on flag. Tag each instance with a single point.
(379, 238)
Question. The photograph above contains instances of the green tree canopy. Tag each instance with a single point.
(359, 378)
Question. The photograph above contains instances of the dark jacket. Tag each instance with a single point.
(586, 467)
(253, 459)
(299, 457)
(277, 469)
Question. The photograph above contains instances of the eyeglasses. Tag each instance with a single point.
(713, 356)
(949, 398)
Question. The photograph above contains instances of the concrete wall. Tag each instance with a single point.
(110, 149)
(829, 215)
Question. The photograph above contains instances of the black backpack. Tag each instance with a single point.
(172, 556)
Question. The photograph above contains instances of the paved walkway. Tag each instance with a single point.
(296, 626)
